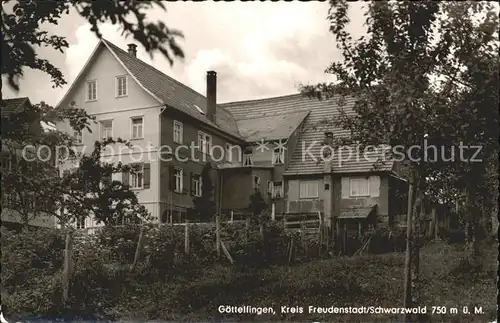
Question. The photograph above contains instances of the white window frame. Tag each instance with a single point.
(204, 142)
(278, 156)
(178, 175)
(136, 179)
(255, 181)
(270, 186)
(305, 191)
(101, 124)
(228, 152)
(277, 190)
(197, 181)
(178, 132)
(117, 86)
(87, 91)
(132, 126)
(78, 136)
(80, 224)
(355, 185)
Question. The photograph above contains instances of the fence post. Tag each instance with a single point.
(273, 214)
(232, 216)
(67, 264)
(217, 234)
(138, 249)
(186, 237)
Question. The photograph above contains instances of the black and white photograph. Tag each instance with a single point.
(241, 161)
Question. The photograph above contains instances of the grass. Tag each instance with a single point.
(357, 281)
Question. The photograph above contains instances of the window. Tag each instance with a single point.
(204, 142)
(137, 177)
(106, 129)
(247, 157)
(359, 187)
(270, 187)
(308, 189)
(229, 152)
(91, 91)
(277, 191)
(197, 184)
(256, 181)
(80, 223)
(121, 86)
(137, 127)
(178, 180)
(78, 137)
(178, 132)
(278, 156)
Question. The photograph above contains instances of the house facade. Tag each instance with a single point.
(271, 145)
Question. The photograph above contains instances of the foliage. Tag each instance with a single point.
(22, 32)
(425, 73)
(90, 190)
(204, 206)
(257, 204)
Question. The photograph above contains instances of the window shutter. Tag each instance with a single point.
(191, 181)
(345, 187)
(125, 178)
(147, 174)
(374, 186)
(171, 178)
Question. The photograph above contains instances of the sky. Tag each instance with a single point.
(258, 49)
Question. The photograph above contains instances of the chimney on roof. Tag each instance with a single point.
(132, 49)
(211, 95)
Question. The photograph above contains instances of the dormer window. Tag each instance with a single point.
(247, 157)
(121, 86)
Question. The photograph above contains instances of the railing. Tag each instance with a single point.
(307, 222)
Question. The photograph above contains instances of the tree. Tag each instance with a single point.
(204, 205)
(424, 71)
(89, 190)
(22, 31)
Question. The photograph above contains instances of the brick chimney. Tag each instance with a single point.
(211, 95)
(132, 49)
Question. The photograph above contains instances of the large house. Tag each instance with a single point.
(252, 145)
(358, 189)
(20, 206)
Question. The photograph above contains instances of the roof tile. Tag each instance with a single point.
(173, 93)
(307, 156)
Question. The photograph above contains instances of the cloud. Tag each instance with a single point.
(258, 49)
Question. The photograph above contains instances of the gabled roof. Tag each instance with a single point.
(173, 93)
(312, 132)
(165, 89)
(270, 128)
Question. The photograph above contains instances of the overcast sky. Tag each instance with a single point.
(258, 49)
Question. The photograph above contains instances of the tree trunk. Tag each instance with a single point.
(67, 264)
(408, 258)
